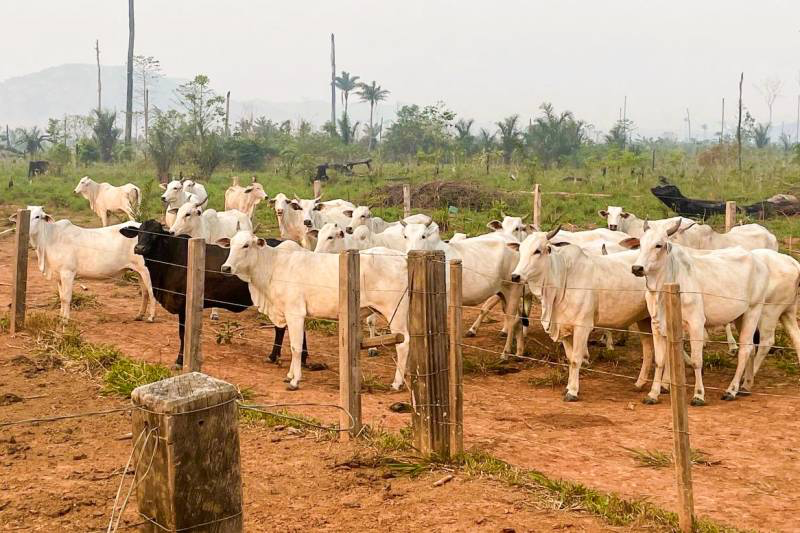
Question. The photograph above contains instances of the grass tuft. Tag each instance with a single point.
(659, 459)
(226, 330)
(126, 374)
(320, 325)
(554, 377)
(285, 418)
(716, 360)
(5, 323)
(80, 300)
(371, 383)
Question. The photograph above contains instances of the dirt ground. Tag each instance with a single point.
(754, 441)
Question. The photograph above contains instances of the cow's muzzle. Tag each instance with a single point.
(638, 270)
(515, 278)
(307, 223)
(225, 269)
(612, 227)
(138, 249)
(349, 231)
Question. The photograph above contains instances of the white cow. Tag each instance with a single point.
(245, 199)
(289, 286)
(210, 224)
(175, 195)
(362, 216)
(580, 292)
(717, 287)
(620, 220)
(298, 216)
(67, 251)
(104, 198)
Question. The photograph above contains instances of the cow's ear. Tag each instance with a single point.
(495, 225)
(295, 206)
(513, 245)
(163, 187)
(172, 210)
(530, 228)
(631, 243)
(129, 232)
(603, 213)
(319, 207)
(624, 214)
(49, 218)
(668, 248)
(224, 242)
(249, 189)
(560, 244)
(313, 233)
(261, 242)
(682, 229)
(348, 213)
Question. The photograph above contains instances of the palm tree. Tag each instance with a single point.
(509, 136)
(105, 132)
(372, 93)
(31, 141)
(347, 131)
(464, 136)
(761, 135)
(554, 136)
(346, 83)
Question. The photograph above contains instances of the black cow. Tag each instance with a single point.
(163, 251)
(37, 167)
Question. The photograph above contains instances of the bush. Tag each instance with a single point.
(59, 156)
(206, 154)
(88, 151)
(245, 154)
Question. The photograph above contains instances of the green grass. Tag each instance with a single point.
(126, 374)
(80, 300)
(320, 325)
(225, 331)
(716, 360)
(285, 418)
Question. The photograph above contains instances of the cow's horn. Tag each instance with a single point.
(203, 202)
(646, 226)
(502, 214)
(552, 232)
(674, 228)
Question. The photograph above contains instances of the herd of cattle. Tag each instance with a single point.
(602, 278)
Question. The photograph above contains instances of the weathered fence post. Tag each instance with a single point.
(455, 362)
(19, 271)
(317, 188)
(730, 215)
(680, 415)
(186, 429)
(195, 282)
(428, 353)
(349, 343)
(537, 206)
(406, 200)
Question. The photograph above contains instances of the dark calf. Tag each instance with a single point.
(166, 256)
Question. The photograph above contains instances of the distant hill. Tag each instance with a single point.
(72, 89)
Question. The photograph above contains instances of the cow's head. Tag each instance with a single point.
(358, 217)
(533, 253)
(256, 192)
(654, 247)
(174, 194)
(615, 217)
(307, 207)
(330, 238)
(148, 235)
(512, 226)
(38, 217)
(243, 257)
(187, 218)
(83, 185)
(420, 236)
(280, 203)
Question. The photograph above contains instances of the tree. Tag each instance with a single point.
(555, 136)
(347, 131)
(59, 156)
(464, 136)
(786, 142)
(346, 83)
(31, 141)
(203, 106)
(616, 136)
(485, 140)
(55, 130)
(770, 90)
(129, 91)
(509, 136)
(164, 140)
(761, 135)
(372, 93)
(147, 71)
(105, 133)
(417, 129)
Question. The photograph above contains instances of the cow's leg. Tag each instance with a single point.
(103, 217)
(660, 349)
(402, 360)
(181, 331)
(296, 325)
(148, 300)
(485, 309)
(746, 325)
(766, 334)
(512, 319)
(66, 279)
(372, 325)
(647, 353)
(696, 343)
(732, 346)
(580, 350)
(304, 354)
(609, 340)
(214, 313)
(277, 343)
(789, 321)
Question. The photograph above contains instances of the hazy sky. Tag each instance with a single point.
(486, 59)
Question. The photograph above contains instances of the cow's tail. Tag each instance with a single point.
(134, 200)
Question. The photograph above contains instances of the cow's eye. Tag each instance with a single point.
(330, 238)
(537, 252)
(659, 246)
(245, 246)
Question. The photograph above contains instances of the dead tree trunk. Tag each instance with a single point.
(333, 84)
(739, 125)
(129, 92)
(99, 85)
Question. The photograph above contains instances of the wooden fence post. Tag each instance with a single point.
(317, 188)
(19, 271)
(537, 206)
(186, 431)
(455, 362)
(349, 343)
(406, 200)
(195, 283)
(730, 215)
(680, 415)
(428, 353)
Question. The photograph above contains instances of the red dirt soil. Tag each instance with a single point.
(756, 440)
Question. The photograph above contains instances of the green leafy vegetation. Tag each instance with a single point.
(320, 325)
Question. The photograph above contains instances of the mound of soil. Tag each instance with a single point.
(436, 194)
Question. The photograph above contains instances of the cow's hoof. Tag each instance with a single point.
(315, 367)
(728, 397)
(647, 400)
(397, 388)
(274, 359)
(292, 387)
(287, 380)
(570, 397)
(139, 318)
(214, 317)
(698, 402)
(372, 352)
(400, 407)
(469, 333)
(743, 392)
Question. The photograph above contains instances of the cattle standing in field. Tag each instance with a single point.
(362, 216)
(37, 168)
(580, 292)
(297, 216)
(245, 199)
(67, 251)
(166, 256)
(176, 194)
(289, 286)
(717, 287)
(104, 198)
